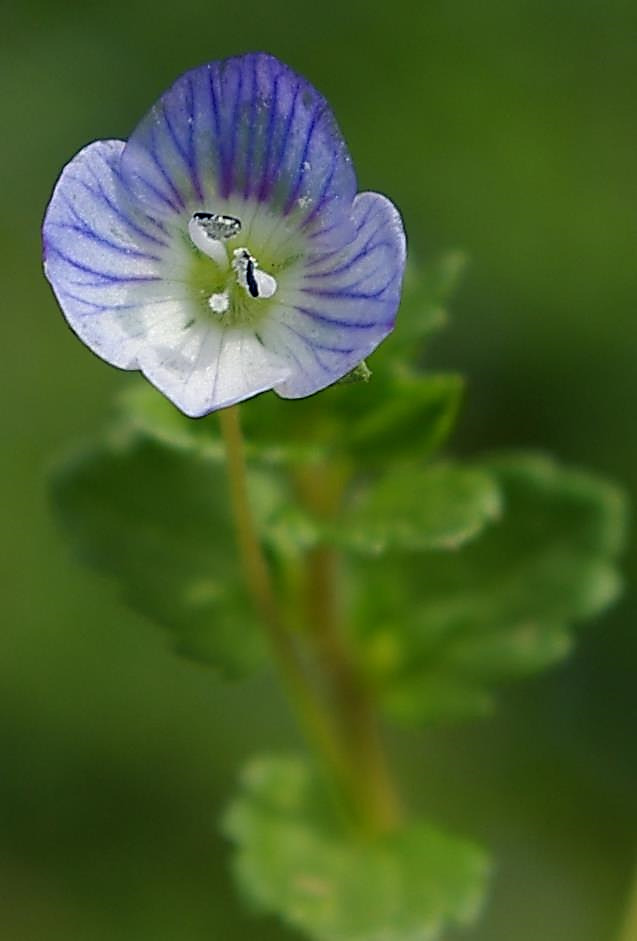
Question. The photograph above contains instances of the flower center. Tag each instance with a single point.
(240, 280)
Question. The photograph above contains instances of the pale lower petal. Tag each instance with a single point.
(212, 367)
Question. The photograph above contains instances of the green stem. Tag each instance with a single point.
(348, 736)
(371, 783)
(259, 584)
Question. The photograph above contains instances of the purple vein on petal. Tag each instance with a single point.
(284, 140)
(251, 133)
(186, 158)
(100, 194)
(117, 173)
(100, 240)
(134, 305)
(366, 252)
(214, 114)
(302, 368)
(82, 229)
(313, 343)
(317, 113)
(318, 257)
(321, 200)
(227, 182)
(347, 293)
(106, 276)
(162, 170)
(335, 321)
(194, 167)
(263, 186)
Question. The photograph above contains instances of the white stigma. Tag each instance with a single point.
(254, 282)
(219, 303)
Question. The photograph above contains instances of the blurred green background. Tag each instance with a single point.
(506, 129)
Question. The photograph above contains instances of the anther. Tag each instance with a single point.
(217, 226)
(255, 282)
(209, 230)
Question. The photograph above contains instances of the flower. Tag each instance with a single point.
(222, 250)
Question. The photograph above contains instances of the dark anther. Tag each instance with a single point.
(251, 281)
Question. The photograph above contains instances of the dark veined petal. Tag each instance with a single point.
(247, 128)
(344, 304)
(121, 280)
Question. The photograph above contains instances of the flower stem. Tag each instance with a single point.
(344, 729)
(371, 783)
(259, 584)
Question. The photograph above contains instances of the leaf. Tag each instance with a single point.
(426, 292)
(441, 629)
(156, 519)
(142, 410)
(295, 858)
(417, 508)
(411, 415)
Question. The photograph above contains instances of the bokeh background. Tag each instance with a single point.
(506, 128)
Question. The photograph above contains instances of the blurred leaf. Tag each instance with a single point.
(276, 431)
(426, 292)
(393, 416)
(141, 409)
(415, 508)
(156, 519)
(447, 626)
(295, 857)
(412, 417)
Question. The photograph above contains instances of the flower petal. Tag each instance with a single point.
(110, 272)
(212, 367)
(121, 280)
(246, 128)
(344, 305)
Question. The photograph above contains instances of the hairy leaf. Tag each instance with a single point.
(417, 508)
(440, 629)
(294, 857)
(156, 519)
(426, 292)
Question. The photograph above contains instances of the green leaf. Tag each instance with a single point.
(392, 417)
(156, 519)
(417, 508)
(441, 629)
(294, 857)
(142, 410)
(409, 415)
(426, 292)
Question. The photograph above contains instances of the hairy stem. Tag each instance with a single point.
(371, 783)
(342, 724)
(259, 584)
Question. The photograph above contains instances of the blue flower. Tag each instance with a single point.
(222, 250)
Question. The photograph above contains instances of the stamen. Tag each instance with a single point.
(255, 282)
(208, 231)
(218, 226)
